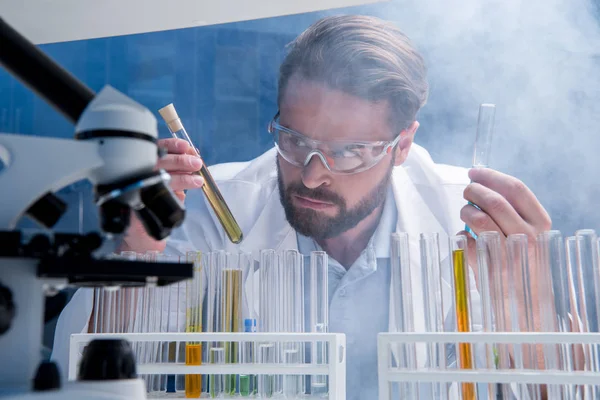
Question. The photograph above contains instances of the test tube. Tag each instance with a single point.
(431, 278)
(210, 189)
(587, 271)
(521, 306)
(490, 263)
(403, 305)
(266, 351)
(462, 300)
(246, 262)
(483, 141)
(319, 317)
(293, 265)
(232, 316)
(552, 259)
(193, 324)
(217, 387)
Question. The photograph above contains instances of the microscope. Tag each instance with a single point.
(115, 148)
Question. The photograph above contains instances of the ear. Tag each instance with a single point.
(406, 140)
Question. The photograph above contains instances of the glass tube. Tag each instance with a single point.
(462, 301)
(484, 135)
(319, 316)
(403, 306)
(483, 142)
(210, 189)
(193, 324)
(266, 355)
(267, 314)
(293, 297)
(217, 387)
(232, 316)
(490, 258)
(431, 278)
(551, 301)
(246, 263)
(587, 271)
(521, 306)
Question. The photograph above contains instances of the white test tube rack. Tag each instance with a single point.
(335, 369)
(388, 374)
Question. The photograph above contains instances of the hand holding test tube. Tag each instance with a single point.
(210, 189)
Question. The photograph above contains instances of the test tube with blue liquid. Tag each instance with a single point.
(483, 143)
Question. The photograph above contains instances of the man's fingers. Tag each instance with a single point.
(522, 199)
(497, 209)
(179, 162)
(186, 181)
(175, 146)
(478, 220)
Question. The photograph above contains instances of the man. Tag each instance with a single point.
(343, 176)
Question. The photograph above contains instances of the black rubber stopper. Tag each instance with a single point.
(47, 377)
(107, 359)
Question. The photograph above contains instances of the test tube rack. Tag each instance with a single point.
(389, 374)
(334, 369)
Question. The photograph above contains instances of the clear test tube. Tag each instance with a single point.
(431, 278)
(490, 261)
(483, 141)
(319, 317)
(462, 301)
(577, 317)
(587, 277)
(193, 324)
(293, 265)
(246, 263)
(521, 306)
(267, 314)
(403, 306)
(551, 243)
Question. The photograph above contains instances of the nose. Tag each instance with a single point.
(315, 172)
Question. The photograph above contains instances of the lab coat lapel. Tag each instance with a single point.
(415, 217)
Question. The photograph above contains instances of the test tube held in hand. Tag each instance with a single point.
(483, 142)
(210, 189)
(462, 300)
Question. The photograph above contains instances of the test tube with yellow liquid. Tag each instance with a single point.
(210, 189)
(232, 316)
(193, 324)
(462, 301)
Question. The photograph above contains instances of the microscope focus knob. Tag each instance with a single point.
(107, 359)
(7, 309)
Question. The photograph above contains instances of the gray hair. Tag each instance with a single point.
(362, 56)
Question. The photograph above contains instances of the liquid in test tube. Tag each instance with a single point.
(210, 189)
(193, 350)
(462, 300)
(483, 142)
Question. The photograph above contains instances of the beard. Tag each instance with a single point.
(316, 225)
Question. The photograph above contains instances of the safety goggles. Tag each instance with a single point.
(338, 156)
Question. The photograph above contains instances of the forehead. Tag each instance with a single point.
(322, 113)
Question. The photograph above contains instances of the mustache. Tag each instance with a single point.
(319, 194)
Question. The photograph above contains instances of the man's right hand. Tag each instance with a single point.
(182, 163)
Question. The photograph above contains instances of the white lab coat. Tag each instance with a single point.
(428, 198)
